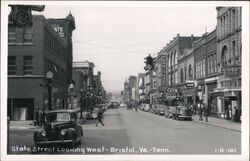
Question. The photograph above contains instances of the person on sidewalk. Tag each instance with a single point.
(99, 117)
(37, 123)
(42, 118)
(236, 114)
(206, 112)
(200, 108)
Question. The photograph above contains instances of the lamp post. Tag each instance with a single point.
(49, 76)
(87, 101)
(71, 92)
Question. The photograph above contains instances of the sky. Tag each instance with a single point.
(118, 38)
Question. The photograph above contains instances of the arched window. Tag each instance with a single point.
(224, 55)
(176, 55)
(172, 59)
(169, 61)
(190, 72)
(181, 75)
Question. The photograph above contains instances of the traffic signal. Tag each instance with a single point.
(149, 61)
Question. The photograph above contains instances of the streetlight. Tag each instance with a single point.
(71, 92)
(49, 76)
(87, 101)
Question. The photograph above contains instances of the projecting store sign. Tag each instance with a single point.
(232, 71)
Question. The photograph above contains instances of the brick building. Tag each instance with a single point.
(83, 75)
(32, 52)
(206, 70)
(229, 23)
(176, 50)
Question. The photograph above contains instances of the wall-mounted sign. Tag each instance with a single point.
(58, 29)
(232, 71)
(171, 90)
(189, 85)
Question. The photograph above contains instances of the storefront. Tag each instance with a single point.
(21, 109)
(211, 95)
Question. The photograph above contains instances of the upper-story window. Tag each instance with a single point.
(27, 65)
(181, 76)
(233, 19)
(11, 65)
(190, 72)
(224, 56)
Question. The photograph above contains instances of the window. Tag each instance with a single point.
(233, 19)
(204, 68)
(27, 65)
(181, 75)
(224, 56)
(233, 49)
(190, 72)
(185, 74)
(11, 65)
(209, 65)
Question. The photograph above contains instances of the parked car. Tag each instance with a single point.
(113, 105)
(122, 105)
(161, 111)
(146, 108)
(170, 111)
(183, 112)
(141, 107)
(61, 127)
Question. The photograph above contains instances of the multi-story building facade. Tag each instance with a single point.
(229, 22)
(176, 50)
(83, 76)
(98, 88)
(186, 74)
(32, 52)
(132, 86)
(160, 76)
(141, 87)
(126, 91)
(206, 71)
(64, 27)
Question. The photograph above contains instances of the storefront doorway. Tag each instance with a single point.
(21, 109)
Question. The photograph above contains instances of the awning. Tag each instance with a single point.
(227, 90)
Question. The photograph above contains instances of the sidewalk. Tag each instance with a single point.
(212, 121)
(27, 124)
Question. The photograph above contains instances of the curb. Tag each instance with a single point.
(36, 127)
(216, 125)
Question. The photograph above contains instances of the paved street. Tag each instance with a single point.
(130, 132)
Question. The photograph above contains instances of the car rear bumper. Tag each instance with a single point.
(54, 142)
(181, 116)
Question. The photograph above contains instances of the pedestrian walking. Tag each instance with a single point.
(37, 123)
(206, 112)
(99, 117)
(236, 114)
(200, 108)
(230, 112)
(42, 118)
